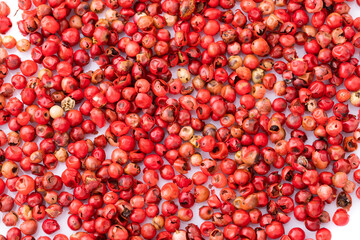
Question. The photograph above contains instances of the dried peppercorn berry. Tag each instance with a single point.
(341, 217)
(5, 23)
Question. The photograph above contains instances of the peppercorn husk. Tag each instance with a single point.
(61, 154)
(257, 75)
(311, 105)
(184, 75)
(68, 104)
(273, 22)
(195, 140)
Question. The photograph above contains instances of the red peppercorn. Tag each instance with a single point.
(341, 217)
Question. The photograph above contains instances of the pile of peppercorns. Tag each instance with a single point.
(160, 123)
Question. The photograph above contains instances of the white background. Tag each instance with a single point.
(349, 232)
